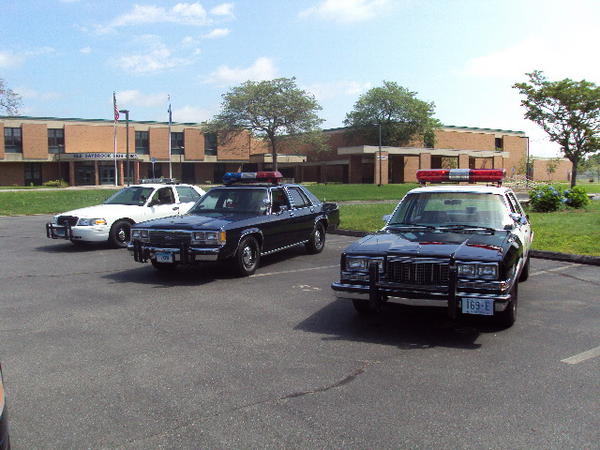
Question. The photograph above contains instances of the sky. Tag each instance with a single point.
(66, 57)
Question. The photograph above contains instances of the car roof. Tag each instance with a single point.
(473, 188)
(158, 185)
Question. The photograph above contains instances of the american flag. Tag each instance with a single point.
(115, 107)
(169, 110)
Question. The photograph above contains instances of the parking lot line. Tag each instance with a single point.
(555, 269)
(256, 275)
(584, 356)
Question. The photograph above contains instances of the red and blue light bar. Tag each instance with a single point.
(252, 177)
(458, 175)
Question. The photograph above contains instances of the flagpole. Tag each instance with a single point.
(170, 163)
(116, 116)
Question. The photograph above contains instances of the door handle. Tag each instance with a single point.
(291, 213)
(175, 208)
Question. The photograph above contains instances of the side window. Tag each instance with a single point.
(279, 200)
(516, 203)
(298, 197)
(187, 194)
(510, 204)
(164, 196)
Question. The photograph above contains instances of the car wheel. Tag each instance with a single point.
(163, 267)
(120, 233)
(247, 256)
(507, 318)
(525, 272)
(363, 307)
(316, 242)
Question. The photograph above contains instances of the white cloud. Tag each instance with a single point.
(155, 57)
(224, 9)
(345, 11)
(325, 91)
(127, 99)
(9, 59)
(32, 94)
(191, 114)
(217, 33)
(85, 50)
(181, 13)
(262, 69)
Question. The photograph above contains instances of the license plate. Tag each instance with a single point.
(164, 257)
(59, 232)
(479, 306)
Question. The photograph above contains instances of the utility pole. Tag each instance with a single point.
(127, 174)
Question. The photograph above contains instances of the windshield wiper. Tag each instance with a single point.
(410, 225)
(462, 226)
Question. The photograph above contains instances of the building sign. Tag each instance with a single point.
(98, 156)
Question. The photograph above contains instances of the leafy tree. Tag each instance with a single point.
(568, 111)
(274, 110)
(401, 115)
(10, 101)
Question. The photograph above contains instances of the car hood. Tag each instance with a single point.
(479, 246)
(103, 211)
(211, 221)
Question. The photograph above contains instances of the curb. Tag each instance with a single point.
(540, 254)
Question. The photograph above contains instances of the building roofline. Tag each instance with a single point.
(452, 127)
(76, 119)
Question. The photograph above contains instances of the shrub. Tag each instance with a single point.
(576, 197)
(56, 183)
(545, 198)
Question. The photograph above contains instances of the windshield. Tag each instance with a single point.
(232, 200)
(135, 195)
(440, 209)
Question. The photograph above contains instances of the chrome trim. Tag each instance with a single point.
(270, 252)
(416, 259)
(199, 254)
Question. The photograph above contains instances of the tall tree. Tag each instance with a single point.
(10, 101)
(273, 110)
(568, 111)
(401, 115)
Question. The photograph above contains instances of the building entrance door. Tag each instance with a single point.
(107, 174)
(84, 175)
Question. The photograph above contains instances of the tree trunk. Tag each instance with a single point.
(574, 161)
(273, 151)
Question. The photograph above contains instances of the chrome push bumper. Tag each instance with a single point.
(414, 297)
(142, 253)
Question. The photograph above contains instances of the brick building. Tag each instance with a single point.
(81, 151)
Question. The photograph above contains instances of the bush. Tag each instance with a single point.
(56, 183)
(576, 197)
(545, 198)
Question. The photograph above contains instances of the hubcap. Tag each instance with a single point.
(318, 238)
(248, 256)
(122, 234)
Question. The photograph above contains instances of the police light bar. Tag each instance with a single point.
(457, 175)
(252, 177)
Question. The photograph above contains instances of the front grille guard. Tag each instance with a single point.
(141, 253)
(51, 231)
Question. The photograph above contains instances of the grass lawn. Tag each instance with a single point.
(569, 231)
(49, 202)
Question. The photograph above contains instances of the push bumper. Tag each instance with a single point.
(88, 234)
(184, 254)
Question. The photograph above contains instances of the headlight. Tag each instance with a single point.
(208, 237)
(140, 235)
(361, 263)
(91, 222)
(1, 394)
(486, 271)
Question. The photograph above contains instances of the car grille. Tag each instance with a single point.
(169, 238)
(67, 220)
(418, 273)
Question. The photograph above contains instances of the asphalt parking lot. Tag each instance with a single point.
(101, 352)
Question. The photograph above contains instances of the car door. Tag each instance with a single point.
(163, 204)
(276, 225)
(187, 197)
(303, 213)
(523, 228)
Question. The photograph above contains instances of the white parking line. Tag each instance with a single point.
(580, 357)
(256, 275)
(556, 269)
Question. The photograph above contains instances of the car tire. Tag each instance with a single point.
(525, 272)
(316, 243)
(362, 307)
(163, 267)
(247, 256)
(507, 318)
(120, 234)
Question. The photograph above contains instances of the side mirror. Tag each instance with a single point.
(387, 218)
(153, 202)
(283, 208)
(518, 218)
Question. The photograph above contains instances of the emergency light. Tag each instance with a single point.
(457, 175)
(252, 177)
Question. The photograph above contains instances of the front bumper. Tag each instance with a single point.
(184, 254)
(97, 233)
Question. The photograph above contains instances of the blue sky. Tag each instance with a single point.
(65, 57)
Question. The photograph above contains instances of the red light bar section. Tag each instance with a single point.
(457, 175)
(269, 177)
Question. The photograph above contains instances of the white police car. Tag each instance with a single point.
(112, 220)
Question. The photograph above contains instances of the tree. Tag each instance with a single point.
(10, 101)
(401, 116)
(568, 111)
(273, 110)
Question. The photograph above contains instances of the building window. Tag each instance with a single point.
(499, 143)
(33, 174)
(56, 140)
(177, 143)
(210, 143)
(13, 142)
(142, 145)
